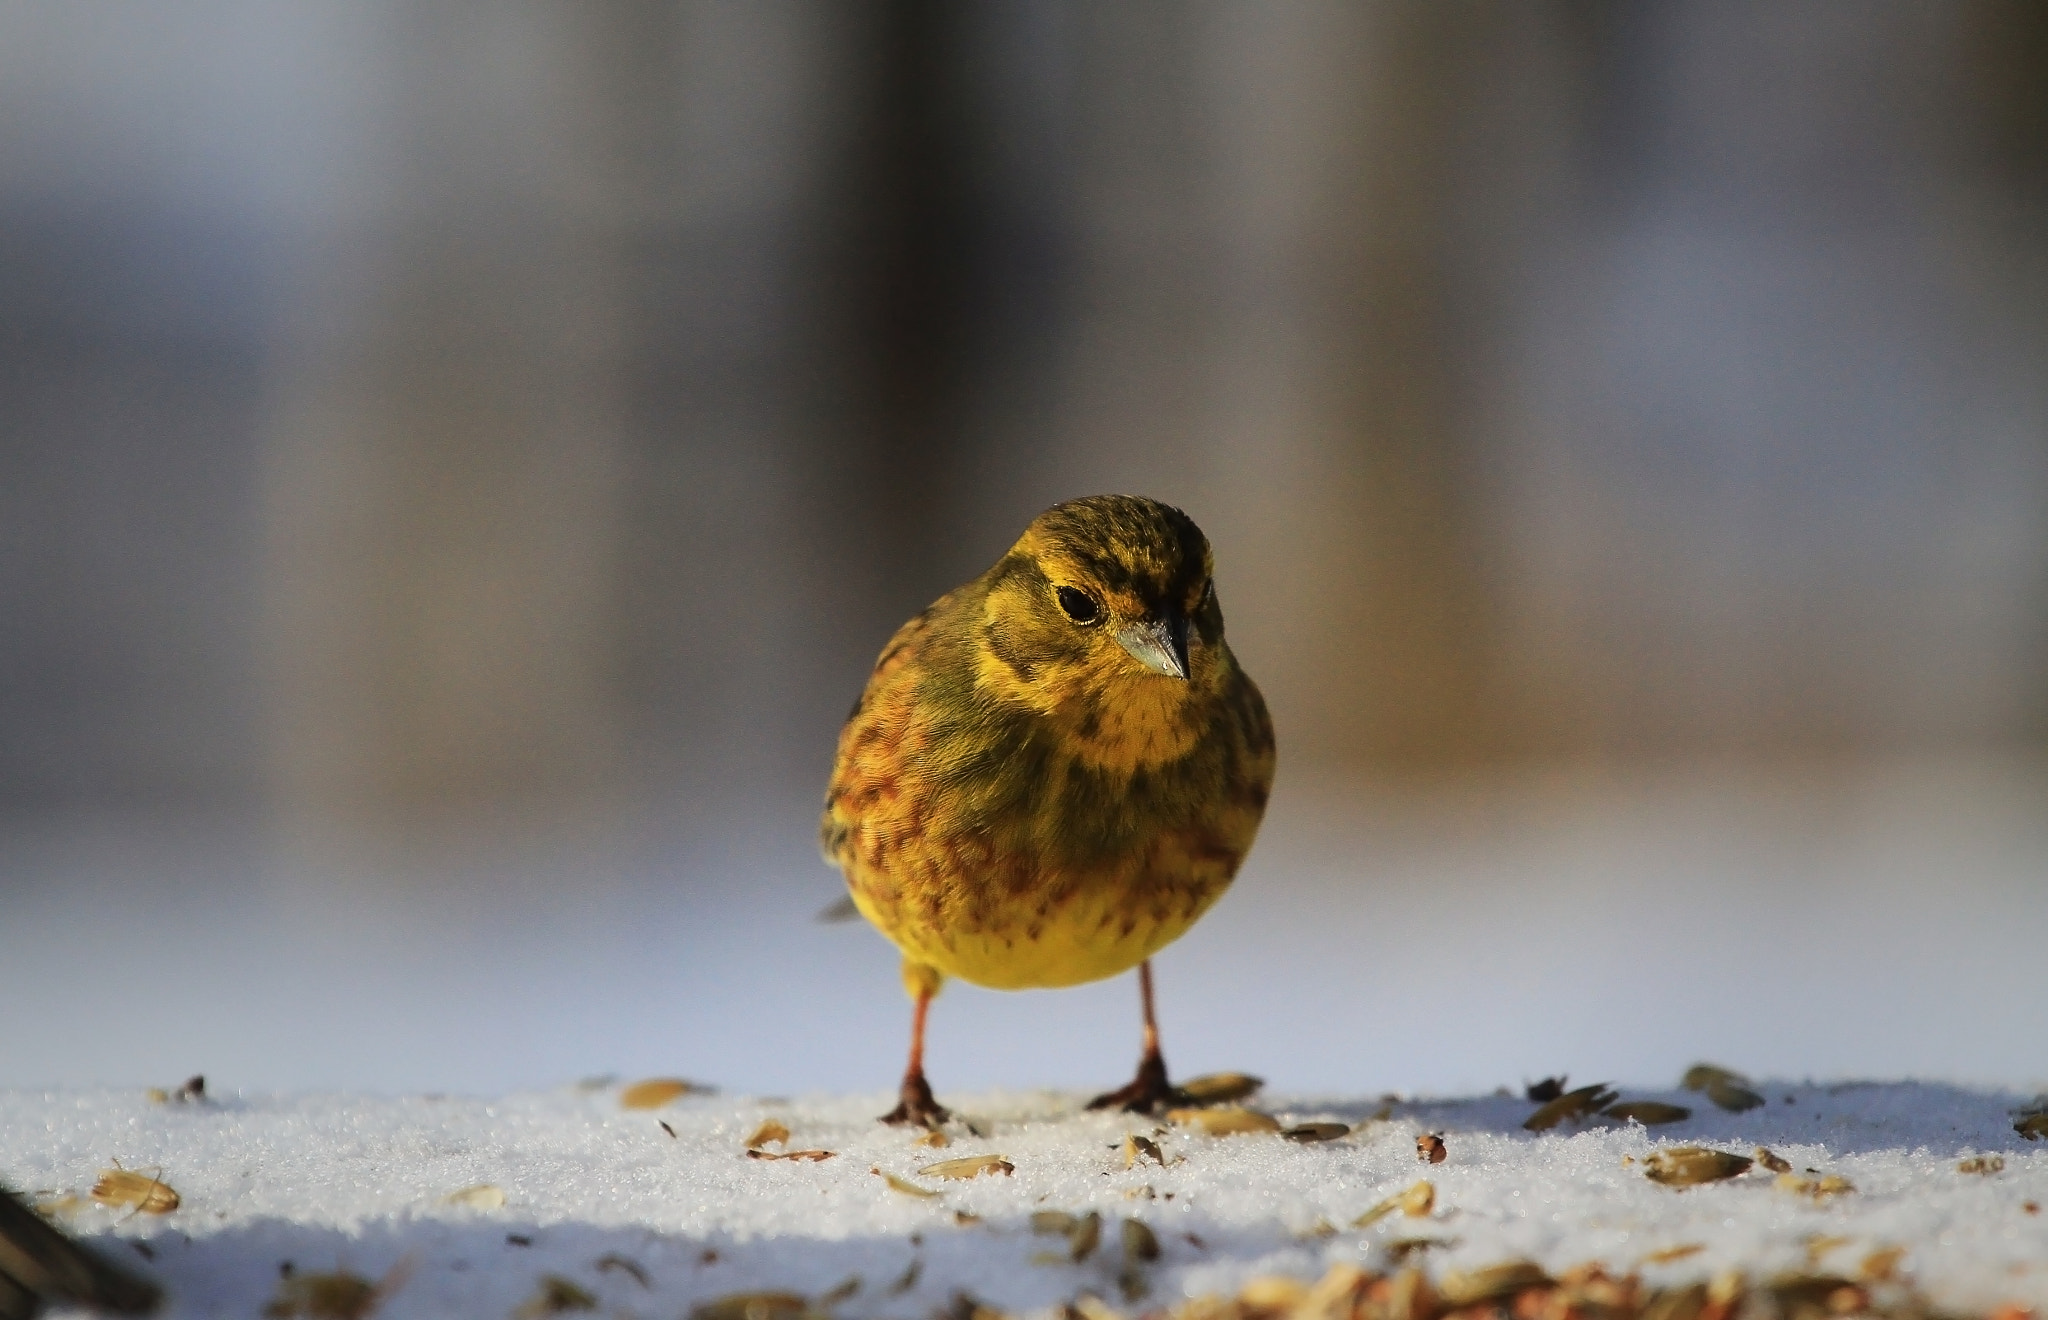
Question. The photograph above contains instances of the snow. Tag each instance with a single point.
(593, 1191)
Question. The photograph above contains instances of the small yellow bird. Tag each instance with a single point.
(1053, 771)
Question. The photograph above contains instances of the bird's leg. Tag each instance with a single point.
(1149, 1092)
(915, 1103)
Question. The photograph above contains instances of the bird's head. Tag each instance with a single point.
(1104, 599)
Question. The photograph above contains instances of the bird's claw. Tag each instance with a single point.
(916, 1105)
(1147, 1093)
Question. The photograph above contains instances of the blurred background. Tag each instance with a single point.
(457, 464)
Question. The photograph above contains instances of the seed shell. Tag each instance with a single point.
(1313, 1132)
(770, 1133)
(1689, 1166)
(1775, 1163)
(1220, 1088)
(483, 1196)
(1430, 1146)
(900, 1185)
(654, 1092)
(753, 1306)
(1224, 1122)
(1702, 1075)
(1647, 1112)
(1572, 1104)
(968, 1166)
(1735, 1099)
(145, 1194)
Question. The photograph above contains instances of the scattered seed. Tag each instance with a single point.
(655, 1092)
(1680, 1252)
(1688, 1166)
(964, 1218)
(934, 1139)
(899, 1185)
(907, 1280)
(1141, 1244)
(1308, 1133)
(1735, 1099)
(2032, 1126)
(323, 1297)
(1492, 1284)
(1400, 1249)
(2030, 1207)
(1819, 1245)
(811, 1156)
(840, 1291)
(1220, 1088)
(1086, 1236)
(1430, 1147)
(1322, 1228)
(666, 1128)
(1571, 1105)
(518, 1240)
(483, 1196)
(146, 1195)
(553, 1296)
(1416, 1201)
(1224, 1122)
(969, 1166)
(1543, 1092)
(770, 1133)
(1774, 1163)
(1052, 1221)
(1816, 1189)
(753, 1306)
(1141, 1148)
(1881, 1265)
(1984, 1164)
(1647, 1112)
(1702, 1075)
(614, 1261)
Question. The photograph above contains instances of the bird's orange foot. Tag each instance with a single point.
(916, 1105)
(1148, 1093)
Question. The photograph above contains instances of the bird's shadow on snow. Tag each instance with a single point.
(1851, 1118)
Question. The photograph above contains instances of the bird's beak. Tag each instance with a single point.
(1161, 646)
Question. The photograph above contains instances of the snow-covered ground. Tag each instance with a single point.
(651, 1212)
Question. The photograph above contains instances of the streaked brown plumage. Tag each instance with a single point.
(1055, 769)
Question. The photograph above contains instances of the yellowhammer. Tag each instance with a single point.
(1053, 771)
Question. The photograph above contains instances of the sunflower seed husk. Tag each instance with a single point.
(1313, 1132)
(1775, 1163)
(1430, 1147)
(654, 1092)
(1983, 1164)
(1140, 1242)
(753, 1306)
(812, 1156)
(1141, 1148)
(1735, 1099)
(1084, 1238)
(146, 1194)
(1688, 1166)
(1702, 1075)
(1815, 1189)
(336, 1296)
(1220, 1088)
(770, 1133)
(2032, 1126)
(1224, 1122)
(1414, 1201)
(553, 1296)
(900, 1185)
(1881, 1265)
(968, 1166)
(1493, 1284)
(1572, 1104)
(1679, 1252)
(1052, 1221)
(1543, 1092)
(1649, 1113)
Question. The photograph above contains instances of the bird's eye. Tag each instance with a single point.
(1079, 606)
